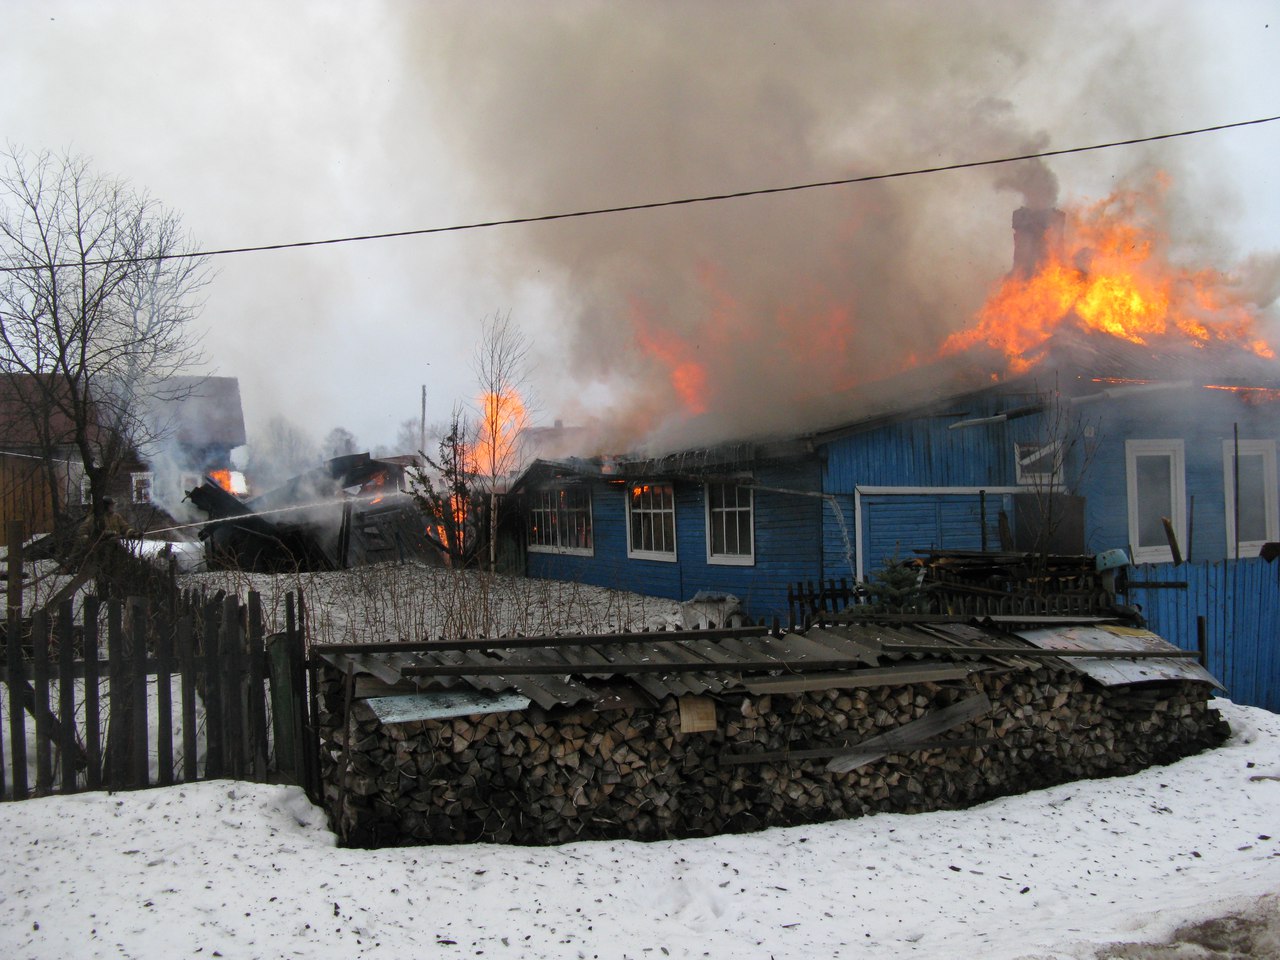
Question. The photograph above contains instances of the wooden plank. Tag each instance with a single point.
(118, 702)
(515, 643)
(257, 708)
(40, 707)
(92, 702)
(187, 667)
(902, 739)
(866, 677)
(15, 534)
(214, 765)
(164, 699)
(141, 765)
(68, 749)
(232, 670)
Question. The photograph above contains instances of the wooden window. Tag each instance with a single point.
(141, 488)
(730, 524)
(1253, 474)
(1155, 473)
(560, 520)
(651, 521)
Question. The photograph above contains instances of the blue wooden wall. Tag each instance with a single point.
(1202, 419)
(1240, 601)
(788, 544)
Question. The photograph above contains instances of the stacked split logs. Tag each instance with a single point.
(538, 776)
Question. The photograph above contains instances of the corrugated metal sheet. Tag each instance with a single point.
(1117, 672)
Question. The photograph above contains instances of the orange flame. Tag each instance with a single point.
(688, 376)
(1111, 275)
(222, 478)
(502, 419)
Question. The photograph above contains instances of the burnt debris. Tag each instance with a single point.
(350, 512)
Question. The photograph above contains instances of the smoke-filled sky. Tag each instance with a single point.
(272, 122)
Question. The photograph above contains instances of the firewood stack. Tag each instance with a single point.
(539, 776)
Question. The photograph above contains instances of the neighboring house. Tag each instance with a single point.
(1096, 453)
(195, 430)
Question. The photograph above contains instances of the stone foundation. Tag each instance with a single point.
(538, 777)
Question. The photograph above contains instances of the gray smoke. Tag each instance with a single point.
(776, 301)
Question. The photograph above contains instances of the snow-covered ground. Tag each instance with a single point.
(1081, 870)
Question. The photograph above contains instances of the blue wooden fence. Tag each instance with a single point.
(1240, 601)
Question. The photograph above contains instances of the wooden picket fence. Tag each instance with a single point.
(189, 689)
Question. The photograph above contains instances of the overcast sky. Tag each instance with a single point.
(271, 122)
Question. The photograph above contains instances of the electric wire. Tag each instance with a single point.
(652, 205)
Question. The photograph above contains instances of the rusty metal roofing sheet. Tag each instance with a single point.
(1117, 672)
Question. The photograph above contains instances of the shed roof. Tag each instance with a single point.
(567, 671)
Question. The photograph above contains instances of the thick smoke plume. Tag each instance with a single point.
(738, 318)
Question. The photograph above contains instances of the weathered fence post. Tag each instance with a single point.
(230, 668)
(92, 705)
(164, 694)
(187, 667)
(141, 766)
(13, 649)
(68, 746)
(213, 757)
(40, 708)
(257, 710)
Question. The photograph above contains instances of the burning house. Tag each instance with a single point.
(188, 431)
(1096, 404)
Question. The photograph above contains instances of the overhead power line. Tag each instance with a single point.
(658, 204)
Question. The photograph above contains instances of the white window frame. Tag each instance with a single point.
(147, 478)
(634, 553)
(1251, 448)
(1028, 453)
(1175, 451)
(731, 559)
(544, 501)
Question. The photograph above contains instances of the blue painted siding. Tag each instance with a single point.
(788, 545)
(1240, 601)
(1202, 419)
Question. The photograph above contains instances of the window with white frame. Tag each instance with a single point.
(140, 488)
(1155, 473)
(651, 521)
(1251, 515)
(730, 527)
(1038, 464)
(560, 520)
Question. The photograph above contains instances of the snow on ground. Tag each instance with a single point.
(239, 870)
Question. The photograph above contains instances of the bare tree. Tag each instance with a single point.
(338, 442)
(500, 363)
(446, 495)
(98, 288)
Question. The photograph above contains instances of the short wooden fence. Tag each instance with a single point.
(186, 688)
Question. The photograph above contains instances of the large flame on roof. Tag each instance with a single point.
(1110, 273)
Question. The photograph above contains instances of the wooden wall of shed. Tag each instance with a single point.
(537, 776)
(24, 493)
